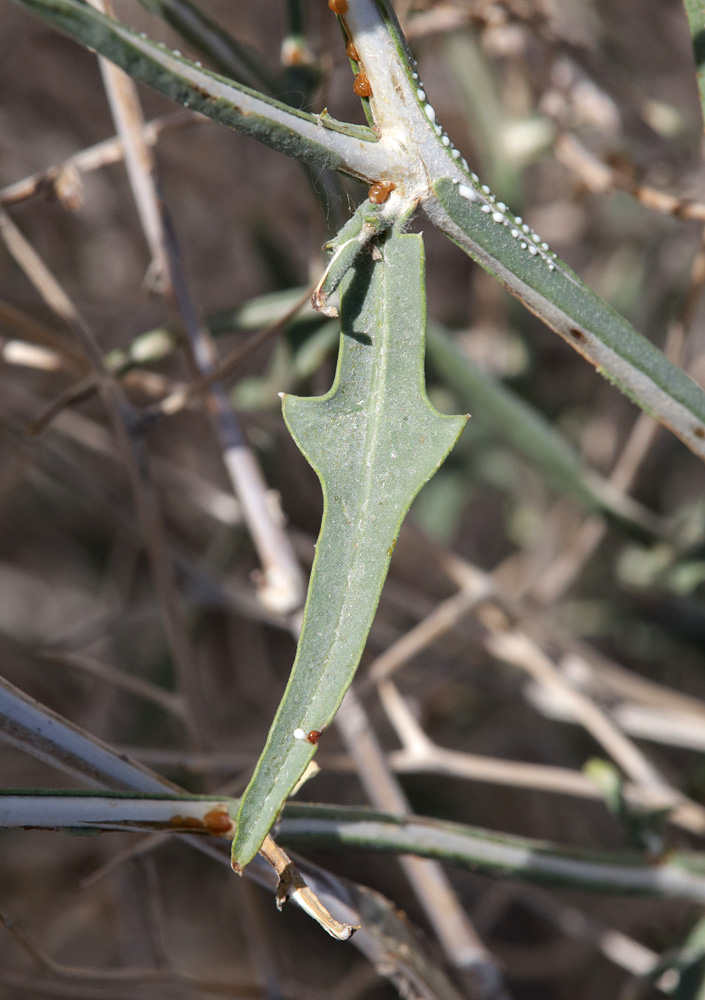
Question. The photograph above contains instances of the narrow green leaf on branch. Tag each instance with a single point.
(373, 440)
(318, 140)
(675, 875)
(508, 249)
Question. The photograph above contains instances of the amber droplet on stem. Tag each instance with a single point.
(217, 821)
(380, 191)
(351, 52)
(362, 85)
(338, 7)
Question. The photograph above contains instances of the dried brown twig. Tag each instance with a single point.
(281, 587)
(131, 448)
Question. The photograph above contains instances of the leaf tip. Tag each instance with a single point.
(319, 301)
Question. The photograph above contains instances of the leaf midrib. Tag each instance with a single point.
(371, 437)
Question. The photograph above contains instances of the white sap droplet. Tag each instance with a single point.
(522, 245)
(176, 52)
(501, 206)
(430, 113)
(544, 246)
(467, 192)
(475, 178)
(486, 209)
(515, 233)
(535, 237)
(421, 94)
(456, 154)
(518, 219)
(527, 229)
(485, 189)
(533, 251)
(299, 734)
(497, 217)
(551, 267)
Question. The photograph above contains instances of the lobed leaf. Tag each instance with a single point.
(374, 440)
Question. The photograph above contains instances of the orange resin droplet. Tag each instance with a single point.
(380, 191)
(217, 821)
(362, 85)
(338, 7)
(351, 52)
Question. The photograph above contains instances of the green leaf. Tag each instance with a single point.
(507, 248)
(374, 440)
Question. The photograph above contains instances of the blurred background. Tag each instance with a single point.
(584, 118)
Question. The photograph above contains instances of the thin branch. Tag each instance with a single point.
(41, 335)
(419, 754)
(677, 875)
(282, 587)
(102, 154)
(599, 177)
(317, 139)
(119, 678)
(224, 367)
(511, 644)
(385, 937)
(132, 451)
(431, 885)
(134, 974)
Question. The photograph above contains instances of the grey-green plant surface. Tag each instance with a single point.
(410, 151)
(680, 876)
(373, 441)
